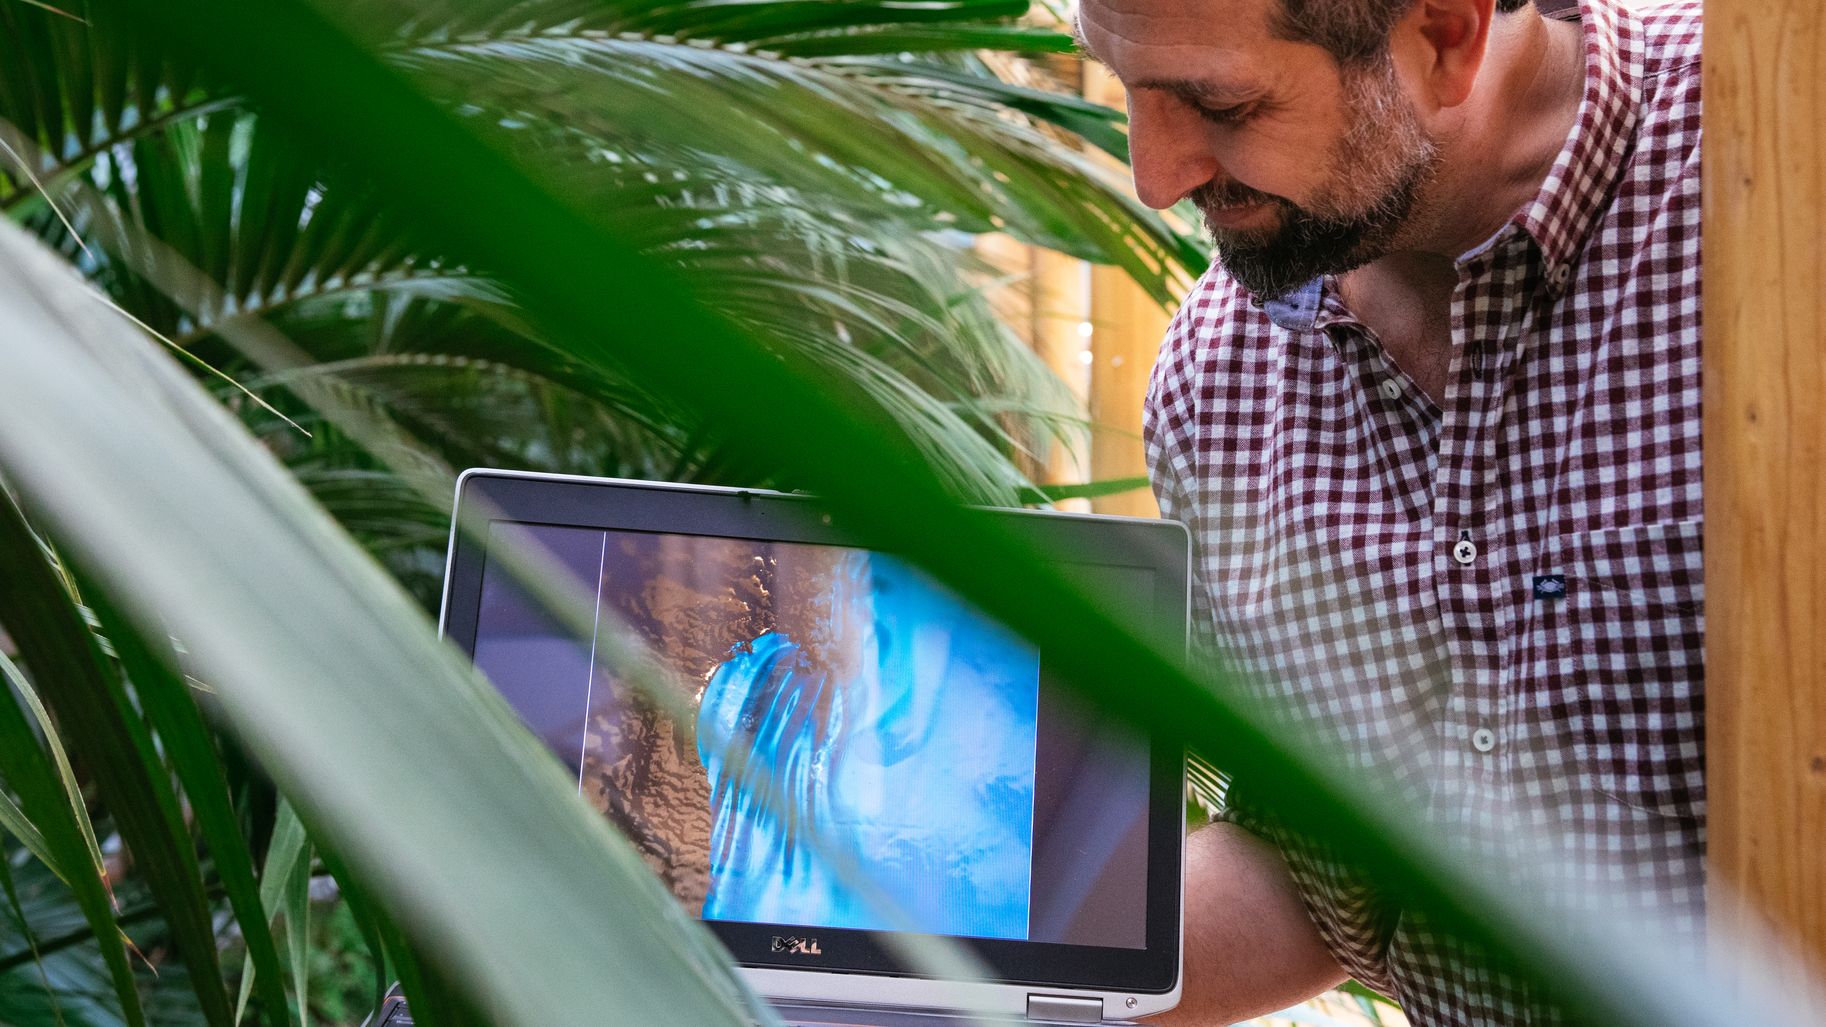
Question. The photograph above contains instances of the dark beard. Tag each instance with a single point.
(1274, 263)
(1387, 144)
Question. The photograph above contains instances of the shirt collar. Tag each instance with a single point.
(1298, 311)
(1313, 306)
(1576, 193)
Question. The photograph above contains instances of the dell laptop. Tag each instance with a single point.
(829, 753)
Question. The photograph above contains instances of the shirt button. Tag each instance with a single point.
(1483, 739)
(1465, 551)
(1391, 388)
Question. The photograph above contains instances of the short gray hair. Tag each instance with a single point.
(1355, 32)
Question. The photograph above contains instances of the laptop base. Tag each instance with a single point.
(851, 1016)
(393, 1013)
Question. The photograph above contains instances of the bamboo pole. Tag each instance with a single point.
(1765, 423)
(1126, 326)
(1061, 305)
(1044, 301)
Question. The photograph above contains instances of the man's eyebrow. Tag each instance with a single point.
(1199, 90)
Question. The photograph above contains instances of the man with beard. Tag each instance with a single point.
(1433, 420)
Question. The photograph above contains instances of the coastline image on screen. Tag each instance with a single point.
(834, 691)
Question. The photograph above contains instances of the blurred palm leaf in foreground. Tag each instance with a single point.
(822, 163)
(368, 724)
(795, 154)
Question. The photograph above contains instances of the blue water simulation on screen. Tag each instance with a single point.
(911, 751)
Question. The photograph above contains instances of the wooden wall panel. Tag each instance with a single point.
(1765, 438)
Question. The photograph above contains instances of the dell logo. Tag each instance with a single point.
(797, 946)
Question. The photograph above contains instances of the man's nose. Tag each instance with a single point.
(1168, 151)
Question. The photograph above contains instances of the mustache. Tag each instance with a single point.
(1222, 196)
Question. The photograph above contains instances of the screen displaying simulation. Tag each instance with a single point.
(838, 741)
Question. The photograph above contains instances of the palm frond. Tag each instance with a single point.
(73, 90)
(831, 235)
(725, 21)
(405, 727)
(227, 197)
(926, 144)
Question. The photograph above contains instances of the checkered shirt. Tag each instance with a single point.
(1495, 604)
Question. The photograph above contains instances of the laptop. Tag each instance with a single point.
(832, 755)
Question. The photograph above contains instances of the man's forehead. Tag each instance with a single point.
(1213, 41)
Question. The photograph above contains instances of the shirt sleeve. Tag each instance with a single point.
(1355, 926)
(1169, 426)
(1168, 414)
(1351, 916)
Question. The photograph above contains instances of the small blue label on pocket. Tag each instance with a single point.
(1550, 586)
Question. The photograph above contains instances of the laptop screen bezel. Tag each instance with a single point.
(1160, 547)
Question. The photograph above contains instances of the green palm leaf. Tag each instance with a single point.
(312, 650)
(164, 697)
(29, 772)
(846, 268)
(939, 146)
(284, 238)
(91, 701)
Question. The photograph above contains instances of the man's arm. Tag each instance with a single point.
(1250, 947)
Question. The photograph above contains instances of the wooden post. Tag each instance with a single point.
(1045, 302)
(1765, 445)
(1061, 305)
(1126, 328)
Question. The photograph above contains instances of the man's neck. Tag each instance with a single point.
(1506, 136)
(1495, 157)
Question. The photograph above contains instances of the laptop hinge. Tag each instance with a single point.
(1064, 1007)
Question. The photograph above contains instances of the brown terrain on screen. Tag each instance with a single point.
(692, 600)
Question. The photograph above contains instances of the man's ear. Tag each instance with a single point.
(1440, 45)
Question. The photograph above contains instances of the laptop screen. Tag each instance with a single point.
(851, 718)
(844, 746)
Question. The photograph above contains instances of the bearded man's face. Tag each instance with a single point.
(1377, 170)
(1301, 168)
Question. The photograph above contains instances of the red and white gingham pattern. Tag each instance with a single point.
(1327, 496)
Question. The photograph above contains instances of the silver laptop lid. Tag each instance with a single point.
(850, 754)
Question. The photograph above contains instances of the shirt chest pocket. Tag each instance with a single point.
(1629, 627)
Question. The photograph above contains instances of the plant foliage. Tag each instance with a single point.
(468, 126)
(822, 164)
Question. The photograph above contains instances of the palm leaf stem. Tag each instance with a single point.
(56, 172)
(41, 5)
(209, 321)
